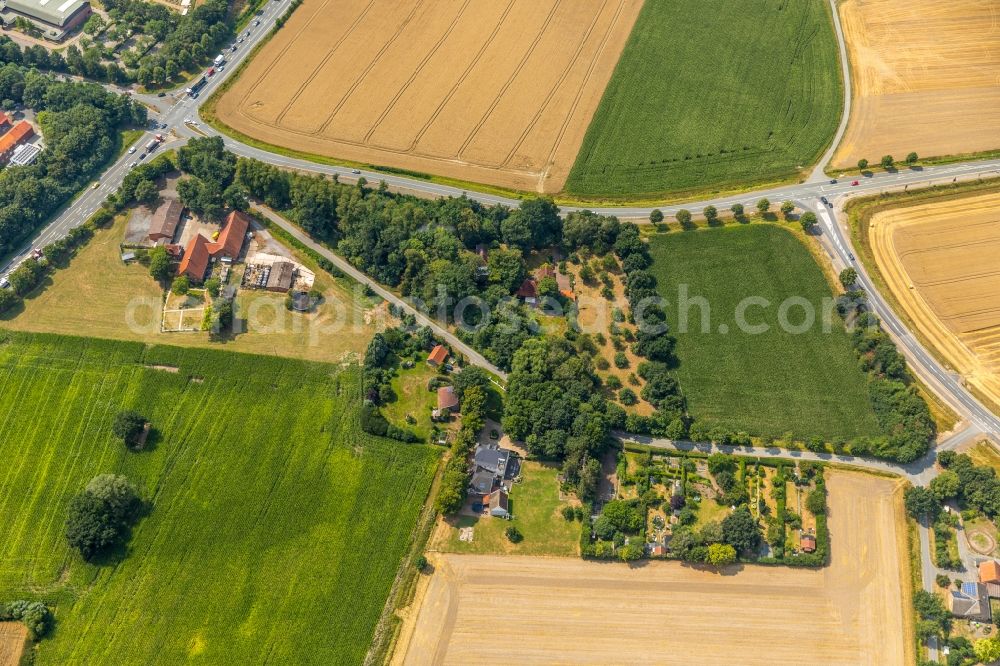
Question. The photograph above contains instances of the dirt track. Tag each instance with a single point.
(480, 609)
(12, 637)
(499, 92)
(925, 79)
(941, 260)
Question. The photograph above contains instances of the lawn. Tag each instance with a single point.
(276, 526)
(98, 295)
(536, 506)
(712, 95)
(768, 383)
(985, 454)
(413, 399)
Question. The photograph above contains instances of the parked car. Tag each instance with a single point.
(4, 283)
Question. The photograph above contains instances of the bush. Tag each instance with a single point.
(212, 286)
(568, 513)
(35, 616)
(128, 426)
(181, 285)
(513, 534)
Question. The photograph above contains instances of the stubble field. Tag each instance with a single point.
(276, 525)
(12, 637)
(941, 260)
(561, 610)
(496, 92)
(925, 78)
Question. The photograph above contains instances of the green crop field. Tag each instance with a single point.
(276, 526)
(711, 95)
(765, 383)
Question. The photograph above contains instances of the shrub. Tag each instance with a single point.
(128, 426)
(568, 513)
(181, 285)
(212, 286)
(35, 616)
(513, 534)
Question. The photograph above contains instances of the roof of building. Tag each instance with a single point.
(56, 12)
(231, 237)
(165, 219)
(989, 572)
(970, 601)
(492, 459)
(196, 256)
(807, 542)
(482, 482)
(498, 499)
(545, 271)
(4, 119)
(281, 276)
(447, 398)
(528, 289)
(438, 355)
(18, 133)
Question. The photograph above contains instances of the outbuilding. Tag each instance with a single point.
(499, 504)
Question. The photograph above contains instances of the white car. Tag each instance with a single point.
(131, 150)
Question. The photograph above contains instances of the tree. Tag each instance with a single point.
(763, 206)
(159, 264)
(887, 161)
(808, 221)
(146, 192)
(683, 217)
(627, 396)
(128, 426)
(212, 286)
(740, 530)
(711, 214)
(7, 299)
(987, 650)
(101, 514)
(737, 210)
(848, 277)
(920, 501)
(911, 159)
(862, 164)
(656, 216)
(513, 534)
(945, 485)
(630, 552)
(182, 285)
(816, 501)
(786, 208)
(720, 554)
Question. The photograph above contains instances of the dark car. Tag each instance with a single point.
(825, 200)
(161, 94)
(833, 182)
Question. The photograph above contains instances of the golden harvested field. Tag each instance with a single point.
(941, 260)
(12, 637)
(569, 611)
(497, 92)
(925, 78)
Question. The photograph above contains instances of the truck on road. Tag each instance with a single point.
(154, 142)
(198, 85)
(219, 60)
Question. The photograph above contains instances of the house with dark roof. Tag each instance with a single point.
(281, 277)
(528, 291)
(437, 356)
(970, 602)
(492, 459)
(166, 217)
(482, 483)
(499, 503)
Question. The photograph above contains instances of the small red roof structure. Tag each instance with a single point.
(808, 543)
(437, 355)
(196, 256)
(545, 271)
(528, 289)
(4, 121)
(231, 237)
(447, 398)
(989, 572)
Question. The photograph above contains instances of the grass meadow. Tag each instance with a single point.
(772, 383)
(713, 95)
(275, 529)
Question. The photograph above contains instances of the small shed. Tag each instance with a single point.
(499, 504)
(437, 356)
(281, 276)
(808, 543)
